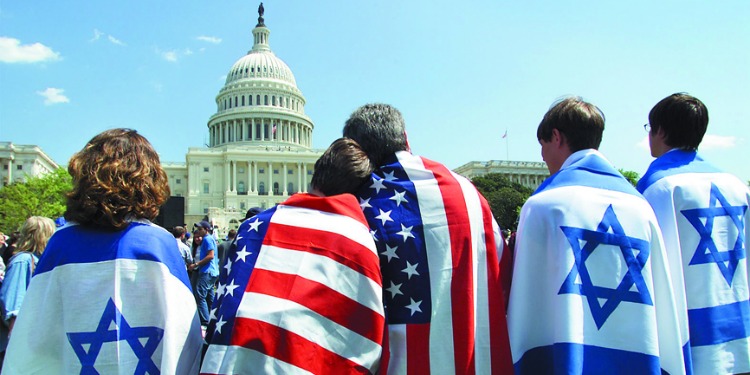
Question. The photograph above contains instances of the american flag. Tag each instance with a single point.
(440, 256)
(300, 293)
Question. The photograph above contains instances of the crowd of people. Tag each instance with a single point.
(395, 264)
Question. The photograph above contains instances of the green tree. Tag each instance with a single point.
(631, 176)
(505, 197)
(38, 196)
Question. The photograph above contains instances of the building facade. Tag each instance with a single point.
(22, 161)
(260, 148)
(530, 174)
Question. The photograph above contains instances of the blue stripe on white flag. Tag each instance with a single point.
(568, 358)
(719, 324)
(139, 241)
(672, 163)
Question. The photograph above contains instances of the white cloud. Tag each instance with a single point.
(717, 142)
(170, 56)
(53, 96)
(188, 52)
(209, 39)
(97, 34)
(710, 142)
(115, 40)
(11, 51)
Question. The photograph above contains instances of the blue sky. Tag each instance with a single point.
(462, 73)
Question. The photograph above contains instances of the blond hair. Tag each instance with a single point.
(35, 233)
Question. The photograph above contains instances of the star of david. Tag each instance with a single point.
(706, 251)
(633, 277)
(122, 331)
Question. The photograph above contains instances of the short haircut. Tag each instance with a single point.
(682, 118)
(343, 168)
(117, 178)
(232, 233)
(580, 122)
(379, 129)
(35, 233)
(178, 231)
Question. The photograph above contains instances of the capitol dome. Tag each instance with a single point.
(260, 104)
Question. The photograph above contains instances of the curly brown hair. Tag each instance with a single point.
(117, 177)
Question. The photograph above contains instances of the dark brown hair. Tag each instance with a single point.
(580, 122)
(682, 118)
(117, 177)
(342, 168)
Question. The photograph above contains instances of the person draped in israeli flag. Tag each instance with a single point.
(591, 292)
(110, 294)
(703, 214)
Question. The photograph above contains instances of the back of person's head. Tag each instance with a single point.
(343, 168)
(580, 122)
(35, 233)
(117, 178)
(232, 234)
(178, 231)
(379, 129)
(683, 119)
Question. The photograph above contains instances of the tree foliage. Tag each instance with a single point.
(505, 197)
(631, 176)
(38, 196)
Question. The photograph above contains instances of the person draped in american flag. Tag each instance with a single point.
(591, 291)
(301, 291)
(110, 294)
(440, 255)
(703, 214)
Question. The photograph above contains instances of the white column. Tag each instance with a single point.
(10, 171)
(255, 176)
(299, 177)
(234, 176)
(304, 178)
(284, 171)
(226, 174)
(270, 179)
(249, 181)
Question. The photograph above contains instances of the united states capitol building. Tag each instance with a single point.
(260, 148)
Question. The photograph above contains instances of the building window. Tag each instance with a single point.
(241, 187)
(205, 210)
(205, 187)
(242, 206)
(262, 188)
(289, 172)
(261, 170)
(5, 166)
(276, 188)
(243, 100)
(257, 99)
(178, 181)
(249, 100)
(265, 100)
(205, 169)
(309, 173)
(19, 167)
(273, 100)
(235, 101)
(290, 188)
(275, 171)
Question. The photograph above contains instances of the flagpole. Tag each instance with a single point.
(506, 146)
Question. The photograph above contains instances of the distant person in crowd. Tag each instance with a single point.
(3, 245)
(301, 291)
(35, 233)
(703, 214)
(185, 252)
(591, 291)
(251, 212)
(441, 254)
(207, 266)
(195, 244)
(224, 247)
(10, 246)
(110, 294)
